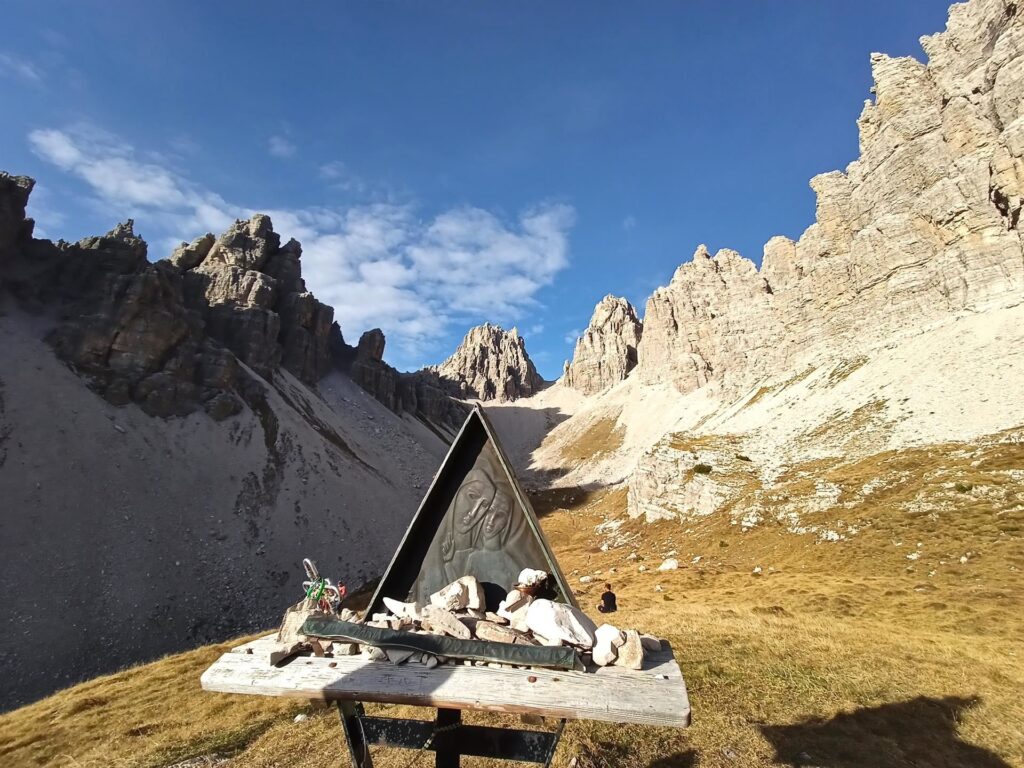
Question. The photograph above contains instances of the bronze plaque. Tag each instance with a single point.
(475, 520)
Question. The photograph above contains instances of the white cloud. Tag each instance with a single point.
(20, 68)
(379, 265)
(536, 329)
(279, 146)
(334, 170)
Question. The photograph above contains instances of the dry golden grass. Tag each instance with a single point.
(602, 436)
(842, 654)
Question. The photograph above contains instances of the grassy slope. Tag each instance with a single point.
(836, 654)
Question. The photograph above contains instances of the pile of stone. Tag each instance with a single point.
(459, 610)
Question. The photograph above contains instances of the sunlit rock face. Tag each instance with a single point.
(922, 225)
(606, 352)
(490, 364)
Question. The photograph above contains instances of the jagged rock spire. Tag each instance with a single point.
(606, 352)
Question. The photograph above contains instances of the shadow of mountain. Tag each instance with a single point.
(522, 429)
(917, 732)
(546, 501)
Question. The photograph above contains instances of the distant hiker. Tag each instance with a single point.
(607, 604)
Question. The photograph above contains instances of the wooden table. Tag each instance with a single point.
(655, 695)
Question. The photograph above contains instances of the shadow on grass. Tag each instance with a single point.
(687, 759)
(921, 731)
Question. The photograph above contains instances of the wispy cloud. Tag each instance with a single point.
(20, 68)
(536, 329)
(334, 171)
(629, 222)
(279, 146)
(378, 264)
(572, 336)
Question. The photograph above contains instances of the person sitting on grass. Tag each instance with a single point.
(607, 604)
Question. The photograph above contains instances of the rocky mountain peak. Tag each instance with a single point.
(606, 352)
(490, 364)
(923, 225)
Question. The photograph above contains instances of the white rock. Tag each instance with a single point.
(546, 640)
(605, 654)
(586, 579)
(453, 597)
(607, 640)
(445, 622)
(512, 602)
(301, 718)
(670, 564)
(531, 577)
(403, 610)
(398, 655)
(631, 653)
(517, 618)
(429, 661)
(607, 633)
(562, 622)
(474, 593)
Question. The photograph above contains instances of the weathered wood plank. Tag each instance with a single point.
(655, 695)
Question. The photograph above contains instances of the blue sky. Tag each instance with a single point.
(446, 163)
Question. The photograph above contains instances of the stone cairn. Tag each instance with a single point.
(459, 610)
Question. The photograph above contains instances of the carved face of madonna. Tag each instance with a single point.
(497, 519)
(473, 500)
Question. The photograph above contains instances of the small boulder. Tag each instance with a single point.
(475, 600)
(514, 608)
(495, 618)
(398, 655)
(532, 577)
(631, 653)
(607, 640)
(562, 622)
(445, 623)
(495, 633)
(670, 564)
(453, 597)
(403, 610)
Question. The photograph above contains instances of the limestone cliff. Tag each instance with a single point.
(922, 226)
(490, 364)
(421, 393)
(895, 321)
(148, 525)
(606, 352)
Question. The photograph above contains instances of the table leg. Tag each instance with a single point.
(358, 749)
(554, 742)
(448, 719)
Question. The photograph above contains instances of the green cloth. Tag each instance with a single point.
(558, 657)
